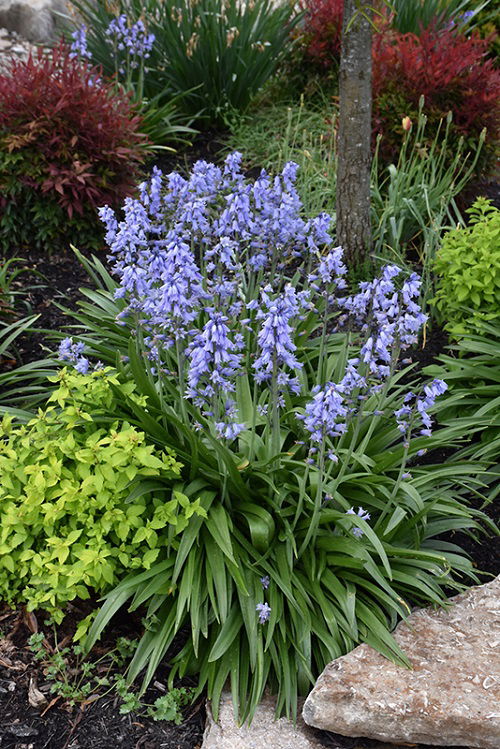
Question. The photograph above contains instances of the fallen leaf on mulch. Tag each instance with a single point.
(35, 697)
(12, 665)
(6, 646)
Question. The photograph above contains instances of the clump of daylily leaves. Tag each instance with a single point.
(297, 435)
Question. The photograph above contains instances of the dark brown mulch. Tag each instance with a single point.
(98, 725)
(46, 282)
(481, 187)
(207, 145)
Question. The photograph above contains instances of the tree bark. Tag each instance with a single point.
(354, 137)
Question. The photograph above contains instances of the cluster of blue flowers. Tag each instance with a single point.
(361, 513)
(414, 411)
(79, 46)
(133, 38)
(239, 227)
(203, 264)
(190, 255)
(275, 338)
(71, 352)
(328, 276)
(263, 609)
(390, 318)
(325, 414)
(462, 18)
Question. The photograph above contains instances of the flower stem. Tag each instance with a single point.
(275, 413)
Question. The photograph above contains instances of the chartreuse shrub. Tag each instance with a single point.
(467, 270)
(301, 443)
(69, 142)
(82, 502)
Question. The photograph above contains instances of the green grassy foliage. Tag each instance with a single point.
(213, 58)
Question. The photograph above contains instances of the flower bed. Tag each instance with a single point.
(234, 440)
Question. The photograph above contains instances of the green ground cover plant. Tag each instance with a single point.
(467, 268)
(82, 502)
(301, 444)
(211, 58)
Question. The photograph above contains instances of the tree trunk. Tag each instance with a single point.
(354, 137)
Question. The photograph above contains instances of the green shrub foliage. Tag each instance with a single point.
(468, 271)
(75, 512)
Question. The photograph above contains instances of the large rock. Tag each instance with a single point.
(452, 695)
(264, 732)
(35, 20)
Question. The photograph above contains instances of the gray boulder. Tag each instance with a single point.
(34, 20)
(450, 697)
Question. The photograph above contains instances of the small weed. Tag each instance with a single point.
(76, 680)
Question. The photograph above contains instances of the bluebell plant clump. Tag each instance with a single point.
(284, 391)
(219, 273)
(79, 45)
